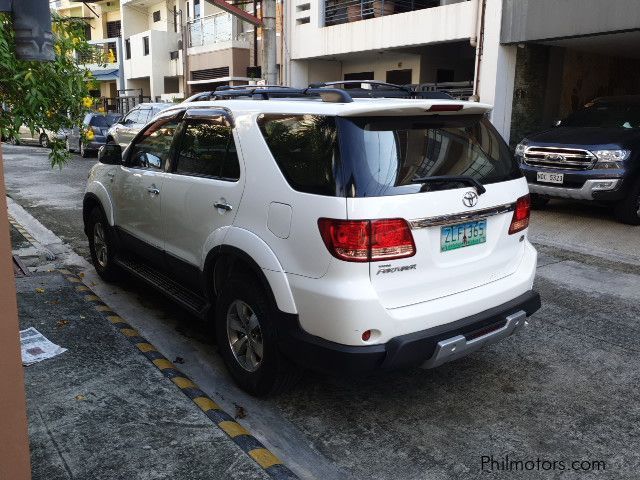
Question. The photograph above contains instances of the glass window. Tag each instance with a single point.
(99, 121)
(132, 116)
(389, 155)
(145, 45)
(143, 116)
(196, 9)
(151, 151)
(127, 48)
(207, 149)
(305, 148)
(156, 16)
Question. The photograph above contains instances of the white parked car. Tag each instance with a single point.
(339, 235)
(123, 131)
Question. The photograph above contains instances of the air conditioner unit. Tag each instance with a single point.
(173, 55)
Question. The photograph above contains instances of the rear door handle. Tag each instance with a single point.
(223, 206)
(153, 191)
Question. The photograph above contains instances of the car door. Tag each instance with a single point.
(138, 194)
(201, 192)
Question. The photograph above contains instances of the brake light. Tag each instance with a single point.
(521, 214)
(367, 240)
(445, 108)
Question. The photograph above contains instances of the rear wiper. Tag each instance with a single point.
(452, 179)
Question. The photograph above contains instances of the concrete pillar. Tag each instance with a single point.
(497, 70)
(14, 445)
(269, 43)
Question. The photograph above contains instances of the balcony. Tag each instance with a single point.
(345, 11)
(214, 32)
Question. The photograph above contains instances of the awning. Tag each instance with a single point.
(105, 75)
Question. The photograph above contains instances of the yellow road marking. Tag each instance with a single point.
(91, 298)
(163, 363)
(183, 382)
(206, 404)
(82, 288)
(74, 279)
(115, 319)
(103, 308)
(145, 347)
(233, 429)
(129, 332)
(264, 457)
(65, 272)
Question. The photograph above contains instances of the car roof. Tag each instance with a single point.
(357, 108)
(153, 104)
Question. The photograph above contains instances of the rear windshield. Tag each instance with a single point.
(381, 156)
(605, 116)
(99, 121)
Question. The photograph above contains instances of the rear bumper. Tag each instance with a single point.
(428, 348)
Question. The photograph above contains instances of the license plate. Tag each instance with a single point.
(549, 177)
(462, 235)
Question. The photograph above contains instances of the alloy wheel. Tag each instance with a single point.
(100, 245)
(244, 335)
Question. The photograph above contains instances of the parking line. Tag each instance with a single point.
(271, 464)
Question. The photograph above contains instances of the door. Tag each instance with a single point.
(138, 191)
(202, 191)
(399, 77)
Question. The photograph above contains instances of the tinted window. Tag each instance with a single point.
(207, 149)
(305, 148)
(99, 121)
(389, 156)
(151, 151)
(605, 116)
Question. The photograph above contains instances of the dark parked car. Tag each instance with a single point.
(94, 130)
(593, 155)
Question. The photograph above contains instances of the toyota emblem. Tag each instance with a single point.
(470, 199)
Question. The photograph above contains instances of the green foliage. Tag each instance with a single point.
(44, 95)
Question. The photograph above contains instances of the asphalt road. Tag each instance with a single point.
(564, 390)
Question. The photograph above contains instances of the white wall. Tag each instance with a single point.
(420, 27)
(497, 70)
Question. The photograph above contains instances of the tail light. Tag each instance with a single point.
(367, 240)
(521, 214)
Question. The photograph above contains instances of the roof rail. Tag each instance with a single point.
(260, 92)
(383, 90)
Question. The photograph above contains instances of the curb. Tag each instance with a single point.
(269, 463)
(32, 241)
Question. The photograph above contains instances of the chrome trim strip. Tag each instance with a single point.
(462, 217)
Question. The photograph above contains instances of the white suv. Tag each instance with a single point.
(320, 231)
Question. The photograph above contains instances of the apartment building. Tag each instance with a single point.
(421, 42)
(103, 29)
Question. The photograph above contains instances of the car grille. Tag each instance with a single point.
(564, 158)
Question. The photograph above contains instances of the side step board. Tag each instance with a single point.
(185, 297)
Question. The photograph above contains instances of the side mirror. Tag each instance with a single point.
(110, 154)
(557, 123)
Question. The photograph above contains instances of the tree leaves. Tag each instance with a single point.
(45, 95)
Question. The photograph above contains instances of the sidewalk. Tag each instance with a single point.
(111, 407)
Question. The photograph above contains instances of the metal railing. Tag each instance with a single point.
(211, 29)
(344, 11)
(99, 53)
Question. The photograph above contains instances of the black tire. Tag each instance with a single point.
(44, 140)
(102, 261)
(628, 210)
(14, 141)
(274, 373)
(538, 202)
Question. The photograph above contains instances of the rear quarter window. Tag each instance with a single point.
(305, 148)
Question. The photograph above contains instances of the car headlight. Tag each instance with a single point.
(521, 147)
(611, 158)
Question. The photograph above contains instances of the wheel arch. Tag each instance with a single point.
(225, 259)
(96, 197)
